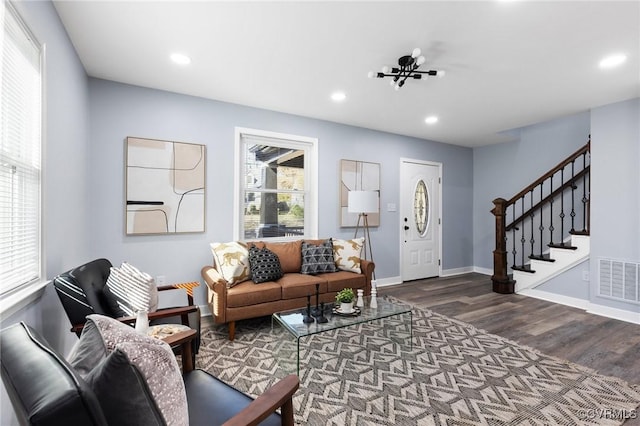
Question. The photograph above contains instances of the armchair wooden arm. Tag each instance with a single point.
(182, 311)
(279, 395)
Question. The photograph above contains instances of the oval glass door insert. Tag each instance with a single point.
(421, 207)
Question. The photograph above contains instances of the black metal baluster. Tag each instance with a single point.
(562, 206)
(541, 227)
(531, 216)
(551, 227)
(513, 234)
(522, 238)
(584, 193)
(573, 189)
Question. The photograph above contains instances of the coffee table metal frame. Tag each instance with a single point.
(292, 320)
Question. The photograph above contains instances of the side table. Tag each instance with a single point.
(174, 335)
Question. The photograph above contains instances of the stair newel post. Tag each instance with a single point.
(501, 281)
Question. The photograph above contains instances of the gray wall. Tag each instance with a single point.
(615, 189)
(119, 110)
(505, 169)
(65, 169)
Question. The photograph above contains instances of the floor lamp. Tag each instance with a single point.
(363, 202)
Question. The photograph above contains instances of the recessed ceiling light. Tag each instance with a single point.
(613, 61)
(338, 96)
(432, 119)
(180, 59)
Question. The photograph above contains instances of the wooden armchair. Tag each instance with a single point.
(81, 292)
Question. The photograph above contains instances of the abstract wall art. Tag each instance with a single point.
(357, 176)
(165, 187)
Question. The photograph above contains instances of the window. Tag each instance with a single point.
(19, 155)
(276, 182)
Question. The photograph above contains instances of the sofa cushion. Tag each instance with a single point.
(232, 261)
(301, 285)
(248, 293)
(317, 258)
(289, 253)
(342, 279)
(347, 254)
(265, 265)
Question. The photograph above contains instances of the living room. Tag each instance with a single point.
(88, 119)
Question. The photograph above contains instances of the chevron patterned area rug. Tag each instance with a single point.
(455, 374)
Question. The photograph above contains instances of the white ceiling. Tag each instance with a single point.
(508, 64)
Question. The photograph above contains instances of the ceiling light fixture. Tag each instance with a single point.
(180, 59)
(432, 119)
(409, 65)
(338, 96)
(613, 61)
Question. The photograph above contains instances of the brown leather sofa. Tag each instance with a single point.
(250, 300)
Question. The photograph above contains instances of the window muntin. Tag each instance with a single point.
(276, 191)
(20, 171)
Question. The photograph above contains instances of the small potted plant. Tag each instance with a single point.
(345, 298)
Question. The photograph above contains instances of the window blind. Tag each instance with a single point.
(20, 175)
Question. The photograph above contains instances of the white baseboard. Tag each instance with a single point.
(586, 305)
(384, 282)
(483, 271)
(457, 271)
(615, 313)
(556, 298)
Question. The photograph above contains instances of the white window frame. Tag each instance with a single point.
(24, 287)
(310, 147)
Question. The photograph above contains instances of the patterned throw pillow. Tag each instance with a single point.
(135, 377)
(346, 254)
(129, 290)
(317, 259)
(265, 265)
(232, 262)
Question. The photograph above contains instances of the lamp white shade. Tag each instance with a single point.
(363, 202)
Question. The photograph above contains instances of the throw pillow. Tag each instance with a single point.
(346, 254)
(232, 262)
(99, 338)
(317, 258)
(129, 290)
(265, 265)
(139, 374)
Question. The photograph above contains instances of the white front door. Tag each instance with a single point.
(420, 184)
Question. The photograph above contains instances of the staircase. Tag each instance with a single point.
(548, 229)
(557, 261)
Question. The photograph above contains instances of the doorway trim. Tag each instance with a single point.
(401, 203)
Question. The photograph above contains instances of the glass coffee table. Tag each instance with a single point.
(292, 322)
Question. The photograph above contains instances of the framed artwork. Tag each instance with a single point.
(165, 187)
(358, 176)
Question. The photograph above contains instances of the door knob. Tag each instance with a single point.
(406, 228)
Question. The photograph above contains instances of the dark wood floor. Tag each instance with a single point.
(608, 346)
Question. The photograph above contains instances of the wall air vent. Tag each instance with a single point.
(619, 280)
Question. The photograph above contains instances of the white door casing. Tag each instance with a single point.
(420, 219)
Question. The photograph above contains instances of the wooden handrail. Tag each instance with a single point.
(555, 193)
(550, 173)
